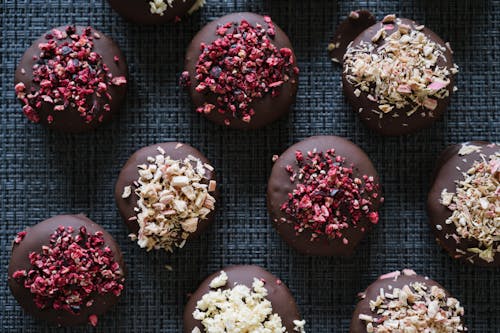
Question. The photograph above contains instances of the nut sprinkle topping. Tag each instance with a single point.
(415, 308)
(476, 205)
(239, 309)
(173, 198)
(400, 70)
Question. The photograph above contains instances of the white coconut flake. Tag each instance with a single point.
(219, 281)
(241, 307)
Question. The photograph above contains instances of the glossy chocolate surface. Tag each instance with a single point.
(35, 238)
(267, 109)
(279, 186)
(70, 120)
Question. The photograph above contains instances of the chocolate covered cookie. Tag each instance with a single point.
(155, 11)
(66, 270)
(464, 202)
(241, 71)
(323, 196)
(247, 297)
(166, 194)
(72, 79)
(406, 302)
(398, 76)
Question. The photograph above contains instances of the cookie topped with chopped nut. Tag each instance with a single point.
(155, 11)
(403, 301)
(242, 299)
(464, 202)
(166, 193)
(398, 76)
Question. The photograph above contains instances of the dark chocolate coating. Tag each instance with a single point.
(138, 11)
(70, 119)
(278, 294)
(39, 235)
(363, 307)
(388, 125)
(279, 186)
(267, 109)
(129, 174)
(348, 30)
(446, 176)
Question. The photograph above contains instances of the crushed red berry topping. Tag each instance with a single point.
(68, 75)
(328, 197)
(93, 320)
(19, 237)
(72, 267)
(241, 66)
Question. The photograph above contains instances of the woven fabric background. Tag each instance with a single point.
(43, 173)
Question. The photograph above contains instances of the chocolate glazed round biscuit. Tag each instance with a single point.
(38, 236)
(268, 108)
(386, 282)
(129, 174)
(448, 171)
(279, 295)
(402, 124)
(280, 186)
(139, 11)
(70, 119)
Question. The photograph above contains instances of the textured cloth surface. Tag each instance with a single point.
(43, 173)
